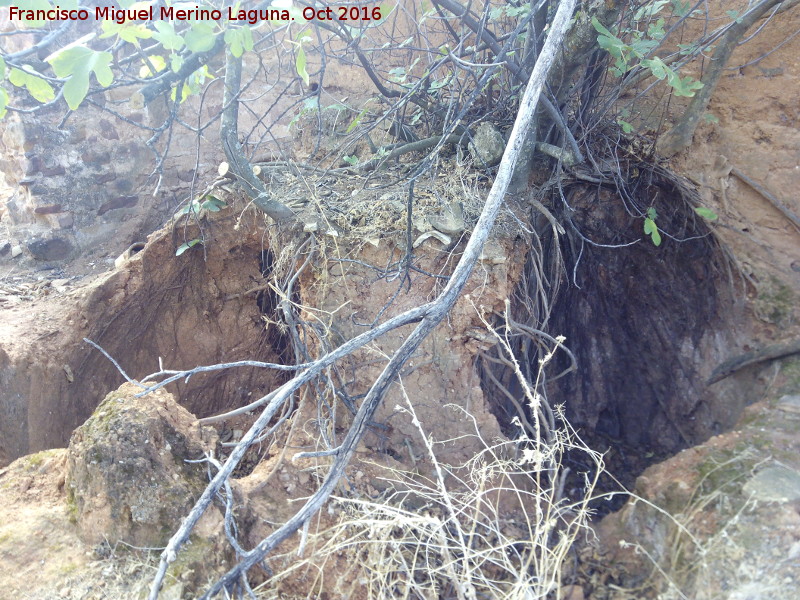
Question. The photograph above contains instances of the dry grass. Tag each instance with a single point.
(497, 526)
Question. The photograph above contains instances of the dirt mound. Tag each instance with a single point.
(190, 310)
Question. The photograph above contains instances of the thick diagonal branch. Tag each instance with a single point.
(229, 133)
(434, 312)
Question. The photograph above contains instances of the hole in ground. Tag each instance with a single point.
(645, 325)
(189, 310)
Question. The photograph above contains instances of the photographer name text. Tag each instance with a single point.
(169, 13)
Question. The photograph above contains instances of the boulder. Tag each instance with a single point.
(128, 478)
(54, 248)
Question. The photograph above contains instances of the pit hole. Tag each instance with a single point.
(192, 310)
(645, 325)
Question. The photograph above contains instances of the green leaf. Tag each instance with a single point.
(213, 204)
(3, 102)
(175, 62)
(300, 64)
(189, 207)
(37, 87)
(165, 34)
(200, 38)
(651, 229)
(398, 74)
(657, 67)
(626, 127)
(186, 245)
(601, 29)
(649, 10)
(128, 32)
(350, 160)
(652, 214)
(656, 30)
(681, 8)
(706, 213)
(77, 64)
(239, 40)
(685, 86)
(17, 77)
(734, 14)
(656, 237)
(357, 121)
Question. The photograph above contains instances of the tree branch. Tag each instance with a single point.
(433, 313)
(680, 136)
(193, 62)
(238, 162)
(519, 72)
(773, 352)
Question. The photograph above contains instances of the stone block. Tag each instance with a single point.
(54, 171)
(55, 248)
(118, 202)
(48, 209)
(96, 158)
(107, 130)
(65, 221)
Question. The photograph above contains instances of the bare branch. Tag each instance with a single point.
(680, 136)
(239, 164)
(433, 314)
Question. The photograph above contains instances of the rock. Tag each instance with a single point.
(65, 221)
(127, 475)
(726, 503)
(16, 251)
(435, 235)
(572, 592)
(96, 158)
(774, 484)
(119, 202)
(451, 221)
(493, 253)
(49, 209)
(55, 248)
(790, 404)
(60, 285)
(107, 130)
(5, 248)
(186, 175)
(53, 171)
(487, 145)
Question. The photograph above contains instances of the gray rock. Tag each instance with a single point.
(55, 248)
(451, 221)
(775, 484)
(487, 145)
(790, 404)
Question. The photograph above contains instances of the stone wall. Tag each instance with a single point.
(87, 185)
